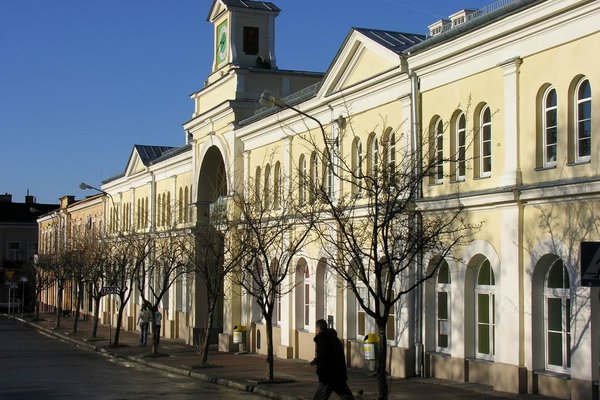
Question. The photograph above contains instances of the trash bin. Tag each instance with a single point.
(370, 346)
(239, 338)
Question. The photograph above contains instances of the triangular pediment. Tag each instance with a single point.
(364, 55)
(135, 164)
(216, 9)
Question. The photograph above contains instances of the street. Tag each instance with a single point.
(37, 367)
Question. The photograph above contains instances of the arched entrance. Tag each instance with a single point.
(212, 182)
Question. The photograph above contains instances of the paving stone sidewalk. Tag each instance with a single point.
(245, 372)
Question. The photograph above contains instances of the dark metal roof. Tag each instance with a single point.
(395, 41)
(150, 153)
(24, 212)
(256, 5)
(171, 153)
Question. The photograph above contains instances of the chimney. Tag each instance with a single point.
(6, 198)
(29, 199)
(66, 201)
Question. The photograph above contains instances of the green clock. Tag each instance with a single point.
(222, 42)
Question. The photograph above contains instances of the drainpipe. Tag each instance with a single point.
(416, 151)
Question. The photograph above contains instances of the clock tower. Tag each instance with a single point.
(244, 33)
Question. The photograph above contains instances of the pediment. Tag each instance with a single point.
(135, 164)
(217, 8)
(359, 59)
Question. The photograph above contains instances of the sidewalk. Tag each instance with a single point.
(245, 372)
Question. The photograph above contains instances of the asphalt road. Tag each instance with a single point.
(33, 366)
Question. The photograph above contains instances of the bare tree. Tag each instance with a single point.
(40, 278)
(98, 260)
(273, 227)
(213, 257)
(375, 231)
(163, 263)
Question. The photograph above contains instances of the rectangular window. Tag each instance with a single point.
(360, 315)
(442, 327)
(251, 40)
(14, 251)
(306, 304)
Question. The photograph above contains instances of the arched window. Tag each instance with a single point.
(485, 142)
(277, 186)
(583, 120)
(461, 147)
(180, 202)
(485, 311)
(302, 180)
(391, 156)
(186, 205)
(314, 175)
(373, 160)
(549, 123)
(557, 318)
(168, 208)
(443, 307)
(438, 151)
(306, 298)
(357, 158)
(257, 186)
(267, 195)
(327, 179)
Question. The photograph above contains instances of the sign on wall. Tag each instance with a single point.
(590, 264)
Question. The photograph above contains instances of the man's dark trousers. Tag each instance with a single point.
(341, 389)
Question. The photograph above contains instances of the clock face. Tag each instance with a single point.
(222, 42)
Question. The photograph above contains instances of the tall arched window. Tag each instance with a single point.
(485, 311)
(391, 156)
(373, 156)
(461, 147)
(267, 185)
(180, 205)
(257, 186)
(314, 175)
(168, 208)
(485, 142)
(302, 180)
(583, 120)
(277, 186)
(443, 307)
(357, 158)
(186, 205)
(438, 151)
(549, 123)
(557, 318)
(306, 298)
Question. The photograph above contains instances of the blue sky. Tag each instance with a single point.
(82, 81)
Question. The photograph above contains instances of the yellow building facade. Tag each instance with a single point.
(505, 97)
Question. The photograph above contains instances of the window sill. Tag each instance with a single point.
(457, 180)
(580, 162)
(440, 354)
(479, 178)
(560, 375)
(481, 361)
(436, 183)
(545, 168)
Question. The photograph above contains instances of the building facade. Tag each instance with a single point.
(504, 97)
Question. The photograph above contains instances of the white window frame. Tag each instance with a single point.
(360, 311)
(546, 127)
(306, 292)
(358, 167)
(438, 150)
(442, 288)
(490, 291)
(392, 154)
(277, 186)
(302, 179)
(461, 147)
(578, 137)
(564, 294)
(482, 156)
(374, 156)
(267, 187)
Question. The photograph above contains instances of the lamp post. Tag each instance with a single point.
(267, 99)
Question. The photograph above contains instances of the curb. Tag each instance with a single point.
(152, 364)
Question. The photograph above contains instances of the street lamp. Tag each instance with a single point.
(267, 99)
(85, 186)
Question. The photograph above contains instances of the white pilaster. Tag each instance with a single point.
(512, 174)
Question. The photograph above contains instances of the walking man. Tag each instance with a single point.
(331, 364)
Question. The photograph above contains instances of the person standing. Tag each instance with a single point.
(144, 322)
(157, 323)
(331, 364)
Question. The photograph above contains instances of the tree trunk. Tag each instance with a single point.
(382, 383)
(59, 307)
(96, 314)
(155, 333)
(119, 322)
(270, 358)
(77, 306)
(206, 339)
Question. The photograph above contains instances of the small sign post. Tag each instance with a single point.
(103, 292)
